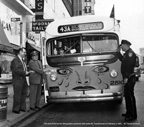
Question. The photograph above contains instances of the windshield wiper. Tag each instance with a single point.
(91, 47)
(70, 47)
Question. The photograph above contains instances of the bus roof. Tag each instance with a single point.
(81, 24)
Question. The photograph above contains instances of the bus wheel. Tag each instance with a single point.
(137, 78)
(119, 101)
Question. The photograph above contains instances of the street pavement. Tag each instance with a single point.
(13, 118)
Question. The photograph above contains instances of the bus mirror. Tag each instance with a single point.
(137, 62)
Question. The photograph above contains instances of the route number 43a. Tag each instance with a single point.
(65, 29)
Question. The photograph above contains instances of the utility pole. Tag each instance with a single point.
(21, 36)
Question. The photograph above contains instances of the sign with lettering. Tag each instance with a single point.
(39, 8)
(15, 24)
(15, 19)
(87, 9)
(41, 25)
(80, 27)
(3, 103)
(31, 35)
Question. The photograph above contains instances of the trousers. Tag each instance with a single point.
(130, 97)
(35, 95)
(20, 92)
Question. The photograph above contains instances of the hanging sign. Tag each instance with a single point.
(39, 9)
(87, 9)
(41, 25)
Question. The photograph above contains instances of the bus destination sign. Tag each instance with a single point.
(80, 27)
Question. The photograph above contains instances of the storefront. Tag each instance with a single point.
(32, 43)
(31, 47)
(6, 56)
(12, 34)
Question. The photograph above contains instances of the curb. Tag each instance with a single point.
(21, 118)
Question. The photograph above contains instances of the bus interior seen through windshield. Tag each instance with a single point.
(87, 43)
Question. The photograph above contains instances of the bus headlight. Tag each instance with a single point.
(113, 73)
(53, 76)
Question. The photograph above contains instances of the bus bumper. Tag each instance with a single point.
(87, 98)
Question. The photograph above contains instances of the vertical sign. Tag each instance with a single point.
(39, 9)
(87, 9)
(15, 24)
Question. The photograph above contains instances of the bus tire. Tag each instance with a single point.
(137, 78)
(119, 101)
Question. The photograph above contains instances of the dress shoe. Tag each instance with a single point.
(130, 118)
(124, 114)
(31, 108)
(135, 117)
(17, 112)
(23, 110)
(37, 107)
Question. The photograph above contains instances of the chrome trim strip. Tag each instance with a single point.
(87, 97)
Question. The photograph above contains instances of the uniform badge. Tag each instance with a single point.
(130, 54)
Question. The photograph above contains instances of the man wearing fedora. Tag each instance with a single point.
(128, 60)
(35, 80)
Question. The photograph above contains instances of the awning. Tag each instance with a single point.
(15, 47)
(31, 47)
(4, 42)
(18, 6)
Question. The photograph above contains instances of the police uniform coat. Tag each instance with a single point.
(19, 84)
(128, 63)
(127, 70)
(35, 80)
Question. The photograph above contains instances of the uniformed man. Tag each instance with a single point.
(127, 70)
(35, 80)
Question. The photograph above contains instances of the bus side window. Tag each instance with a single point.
(77, 47)
(55, 51)
(137, 61)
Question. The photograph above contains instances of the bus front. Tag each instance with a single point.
(83, 67)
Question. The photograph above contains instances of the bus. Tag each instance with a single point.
(81, 60)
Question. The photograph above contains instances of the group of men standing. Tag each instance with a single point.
(20, 86)
(19, 73)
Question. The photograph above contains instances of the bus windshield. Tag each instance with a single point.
(86, 43)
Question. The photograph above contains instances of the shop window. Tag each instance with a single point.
(5, 63)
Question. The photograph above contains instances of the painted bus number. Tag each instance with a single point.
(65, 29)
(116, 82)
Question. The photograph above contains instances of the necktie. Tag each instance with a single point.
(24, 65)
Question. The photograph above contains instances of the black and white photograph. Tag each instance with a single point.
(71, 63)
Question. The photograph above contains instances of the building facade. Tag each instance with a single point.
(83, 7)
(16, 28)
(12, 33)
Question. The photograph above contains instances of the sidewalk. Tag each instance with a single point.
(13, 118)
